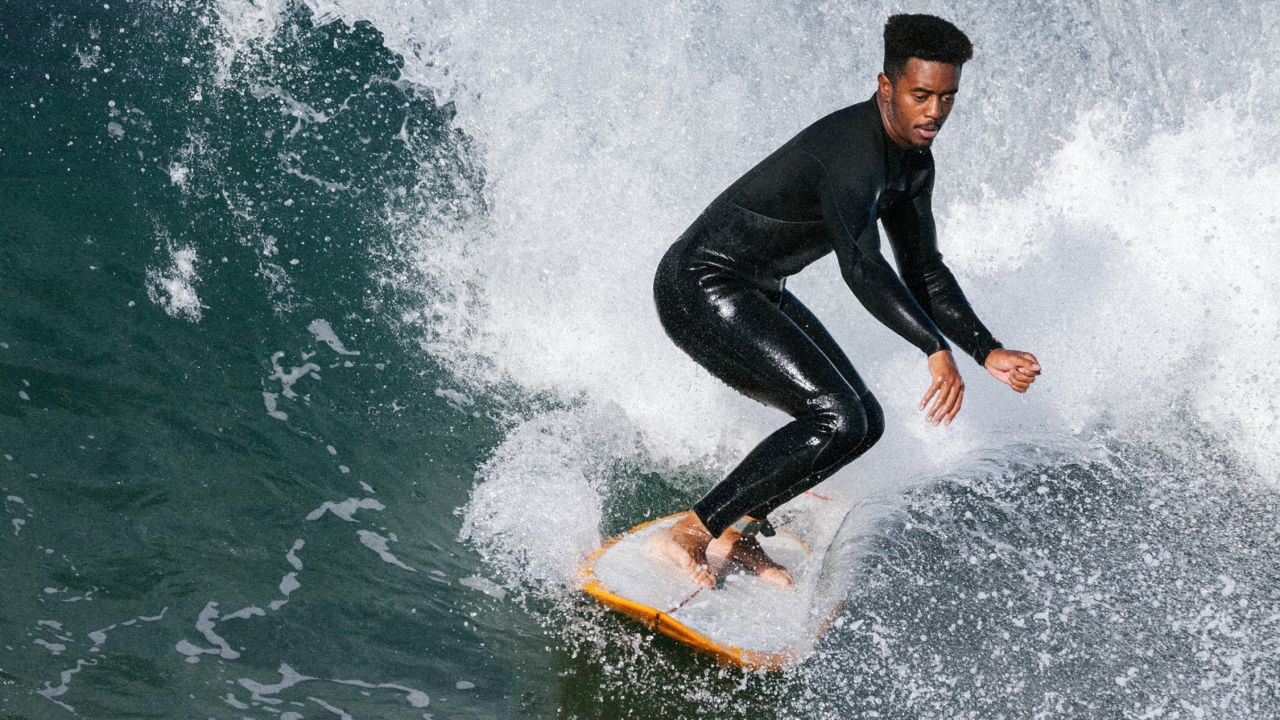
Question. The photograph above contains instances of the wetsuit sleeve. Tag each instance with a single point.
(847, 202)
(914, 238)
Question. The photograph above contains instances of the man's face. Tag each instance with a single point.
(915, 106)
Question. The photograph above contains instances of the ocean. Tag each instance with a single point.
(327, 351)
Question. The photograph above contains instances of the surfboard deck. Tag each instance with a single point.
(747, 621)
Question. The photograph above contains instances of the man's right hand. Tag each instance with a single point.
(1013, 368)
(947, 386)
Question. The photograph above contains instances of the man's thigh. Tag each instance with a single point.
(747, 341)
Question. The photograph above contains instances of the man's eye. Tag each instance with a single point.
(921, 98)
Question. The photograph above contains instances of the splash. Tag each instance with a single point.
(173, 287)
(1068, 224)
(1114, 219)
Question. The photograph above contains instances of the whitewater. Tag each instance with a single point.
(1106, 546)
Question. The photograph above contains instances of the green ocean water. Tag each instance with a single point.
(148, 479)
(237, 466)
(147, 475)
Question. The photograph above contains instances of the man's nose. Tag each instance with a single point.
(933, 110)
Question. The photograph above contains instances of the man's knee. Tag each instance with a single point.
(844, 423)
(875, 420)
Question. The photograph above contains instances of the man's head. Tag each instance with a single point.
(923, 55)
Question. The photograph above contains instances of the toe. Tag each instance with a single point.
(700, 576)
(779, 577)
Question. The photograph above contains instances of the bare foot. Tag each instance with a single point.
(685, 544)
(745, 549)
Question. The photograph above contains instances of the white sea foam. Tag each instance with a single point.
(346, 509)
(288, 678)
(292, 558)
(415, 698)
(1116, 221)
(205, 625)
(289, 379)
(172, 286)
(270, 399)
(179, 174)
(378, 544)
(53, 692)
(54, 648)
(484, 585)
(245, 26)
(244, 613)
(331, 708)
(324, 333)
(289, 583)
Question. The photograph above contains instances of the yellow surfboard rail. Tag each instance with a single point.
(669, 626)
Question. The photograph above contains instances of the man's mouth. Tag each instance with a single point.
(927, 131)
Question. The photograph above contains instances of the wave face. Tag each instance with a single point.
(1105, 203)
(367, 361)
(1105, 200)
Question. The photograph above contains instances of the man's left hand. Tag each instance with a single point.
(1013, 368)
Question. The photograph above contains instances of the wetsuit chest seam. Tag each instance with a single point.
(839, 216)
(762, 216)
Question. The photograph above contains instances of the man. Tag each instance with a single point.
(721, 295)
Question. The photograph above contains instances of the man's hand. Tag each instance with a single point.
(1011, 367)
(947, 386)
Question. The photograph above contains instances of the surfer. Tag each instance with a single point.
(721, 293)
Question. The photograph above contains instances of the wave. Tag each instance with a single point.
(1105, 205)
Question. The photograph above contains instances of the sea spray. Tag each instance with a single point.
(484, 219)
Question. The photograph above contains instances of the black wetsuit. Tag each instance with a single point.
(721, 296)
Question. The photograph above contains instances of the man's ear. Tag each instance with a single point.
(886, 87)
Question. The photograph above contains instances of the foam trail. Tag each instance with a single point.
(292, 558)
(335, 710)
(324, 333)
(378, 544)
(53, 692)
(288, 678)
(345, 509)
(205, 625)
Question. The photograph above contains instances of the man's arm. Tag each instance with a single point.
(845, 211)
(913, 235)
(909, 224)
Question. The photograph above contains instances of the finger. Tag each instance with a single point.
(1028, 369)
(933, 388)
(955, 408)
(944, 407)
(928, 416)
(943, 404)
(938, 401)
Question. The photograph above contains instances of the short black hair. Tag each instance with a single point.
(926, 37)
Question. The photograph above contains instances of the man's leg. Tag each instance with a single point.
(746, 340)
(812, 327)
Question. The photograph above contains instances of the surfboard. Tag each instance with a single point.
(745, 621)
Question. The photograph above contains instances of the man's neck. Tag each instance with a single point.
(882, 107)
